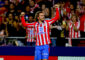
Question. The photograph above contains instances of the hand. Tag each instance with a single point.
(56, 6)
(22, 14)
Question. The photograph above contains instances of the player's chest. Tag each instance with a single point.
(71, 24)
(41, 27)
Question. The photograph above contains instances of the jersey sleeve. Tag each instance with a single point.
(26, 24)
(55, 18)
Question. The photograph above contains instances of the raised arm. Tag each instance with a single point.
(23, 21)
(56, 17)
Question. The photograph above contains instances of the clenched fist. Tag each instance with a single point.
(56, 6)
(22, 14)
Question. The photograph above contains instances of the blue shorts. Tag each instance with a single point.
(41, 52)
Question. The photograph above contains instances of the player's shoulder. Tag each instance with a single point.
(46, 20)
(70, 22)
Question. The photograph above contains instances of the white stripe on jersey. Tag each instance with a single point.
(72, 32)
(47, 32)
(76, 35)
(79, 34)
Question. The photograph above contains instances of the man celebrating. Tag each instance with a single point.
(42, 33)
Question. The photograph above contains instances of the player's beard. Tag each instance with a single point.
(43, 20)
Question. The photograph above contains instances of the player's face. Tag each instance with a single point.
(74, 18)
(41, 16)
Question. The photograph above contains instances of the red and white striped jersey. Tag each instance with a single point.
(72, 32)
(42, 30)
(30, 34)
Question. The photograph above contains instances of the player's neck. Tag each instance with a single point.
(40, 21)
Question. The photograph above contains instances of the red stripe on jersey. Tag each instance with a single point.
(38, 40)
(47, 41)
(36, 36)
(74, 34)
(77, 34)
(48, 33)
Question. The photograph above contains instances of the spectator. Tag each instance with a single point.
(82, 24)
(73, 27)
(30, 33)
(33, 6)
(16, 17)
(47, 13)
(11, 9)
(6, 4)
(10, 20)
(2, 34)
(62, 8)
(27, 11)
(49, 4)
(16, 33)
(1, 3)
(2, 8)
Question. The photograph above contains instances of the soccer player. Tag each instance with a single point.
(42, 33)
(30, 36)
(30, 33)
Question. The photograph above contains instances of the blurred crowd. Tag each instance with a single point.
(72, 12)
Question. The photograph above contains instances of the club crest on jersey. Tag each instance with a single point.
(41, 30)
(31, 32)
